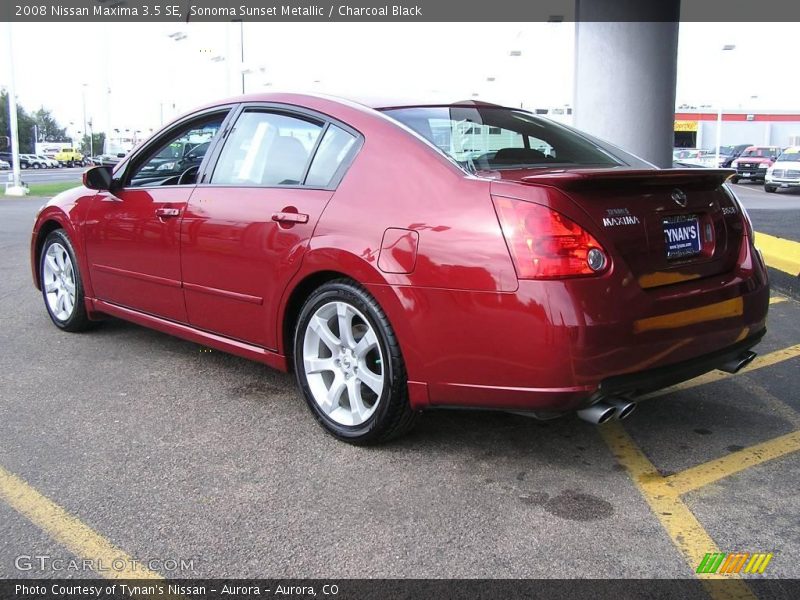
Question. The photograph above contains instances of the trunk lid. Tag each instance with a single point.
(669, 226)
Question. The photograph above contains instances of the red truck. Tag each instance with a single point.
(754, 162)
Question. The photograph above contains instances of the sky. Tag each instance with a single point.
(135, 76)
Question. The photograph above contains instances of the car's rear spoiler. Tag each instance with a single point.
(594, 178)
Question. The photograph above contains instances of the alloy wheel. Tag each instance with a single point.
(58, 279)
(343, 363)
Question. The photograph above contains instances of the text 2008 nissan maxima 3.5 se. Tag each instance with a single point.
(405, 257)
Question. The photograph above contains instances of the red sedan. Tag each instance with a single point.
(400, 258)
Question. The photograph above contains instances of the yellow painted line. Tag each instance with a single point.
(735, 462)
(772, 403)
(78, 538)
(678, 521)
(779, 253)
(777, 299)
(764, 360)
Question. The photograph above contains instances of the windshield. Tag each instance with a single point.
(770, 152)
(489, 138)
(789, 157)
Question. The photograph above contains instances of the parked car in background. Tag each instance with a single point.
(34, 162)
(785, 171)
(51, 163)
(363, 248)
(727, 154)
(108, 160)
(4, 164)
(693, 157)
(23, 162)
(753, 163)
(69, 157)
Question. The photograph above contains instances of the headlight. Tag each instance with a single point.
(735, 164)
(167, 166)
(763, 166)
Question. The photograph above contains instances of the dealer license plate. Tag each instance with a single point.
(682, 236)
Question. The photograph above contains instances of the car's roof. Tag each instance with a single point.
(375, 102)
(792, 149)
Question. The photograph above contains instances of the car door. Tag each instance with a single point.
(132, 233)
(246, 228)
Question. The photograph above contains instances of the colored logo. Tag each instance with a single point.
(734, 562)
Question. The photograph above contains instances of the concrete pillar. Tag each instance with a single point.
(626, 54)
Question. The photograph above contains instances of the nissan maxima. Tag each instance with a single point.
(401, 257)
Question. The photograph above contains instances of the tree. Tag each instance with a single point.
(24, 125)
(98, 139)
(49, 130)
(41, 124)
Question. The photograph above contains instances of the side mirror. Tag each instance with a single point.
(98, 178)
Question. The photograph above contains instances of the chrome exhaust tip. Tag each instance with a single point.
(741, 361)
(597, 413)
(622, 408)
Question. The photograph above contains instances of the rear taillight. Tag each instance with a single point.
(545, 244)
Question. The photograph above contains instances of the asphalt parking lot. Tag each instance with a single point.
(163, 450)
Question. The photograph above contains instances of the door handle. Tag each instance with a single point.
(290, 217)
(168, 212)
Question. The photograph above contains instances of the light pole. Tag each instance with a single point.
(177, 36)
(241, 48)
(725, 48)
(83, 86)
(16, 188)
(91, 135)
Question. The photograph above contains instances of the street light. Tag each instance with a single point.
(16, 188)
(83, 94)
(725, 48)
(91, 135)
(176, 36)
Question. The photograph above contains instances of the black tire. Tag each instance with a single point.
(734, 179)
(78, 319)
(770, 189)
(393, 415)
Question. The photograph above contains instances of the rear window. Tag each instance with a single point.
(489, 138)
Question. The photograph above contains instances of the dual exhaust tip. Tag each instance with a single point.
(612, 408)
(620, 408)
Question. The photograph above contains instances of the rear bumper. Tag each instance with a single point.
(755, 174)
(649, 380)
(560, 345)
(783, 183)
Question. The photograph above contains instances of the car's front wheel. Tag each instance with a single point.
(349, 366)
(769, 188)
(62, 287)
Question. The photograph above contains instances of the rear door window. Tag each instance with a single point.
(334, 153)
(267, 149)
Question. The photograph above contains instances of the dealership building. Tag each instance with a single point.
(774, 128)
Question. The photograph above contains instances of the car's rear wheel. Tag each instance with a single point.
(62, 287)
(349, 366)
